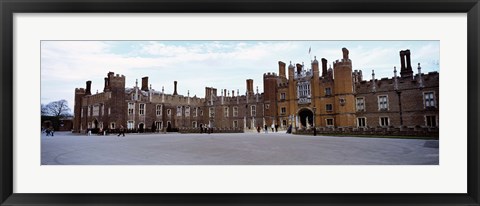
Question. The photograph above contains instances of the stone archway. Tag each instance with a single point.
(305, 115)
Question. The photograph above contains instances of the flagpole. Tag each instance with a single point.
(310, 53)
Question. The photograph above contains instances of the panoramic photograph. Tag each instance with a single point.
(240, 102)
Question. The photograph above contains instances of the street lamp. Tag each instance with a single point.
(314, 127)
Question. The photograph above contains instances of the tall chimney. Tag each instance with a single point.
(89, 86)
(402, 61)
(105, 87)
(409, 65)
(250, 86)
(406, 70)
(324, 67)
(281, 69)
(233, 93)
(175, 88)
(144, 83)
(299, 68)
(224, 92)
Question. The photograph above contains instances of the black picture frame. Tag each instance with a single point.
(10, 7)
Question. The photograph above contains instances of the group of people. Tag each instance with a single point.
(49, 131)
(101, 131)
(206, 129)
(274, 128)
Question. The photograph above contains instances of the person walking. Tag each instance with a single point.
(122, 131)
(266, 129)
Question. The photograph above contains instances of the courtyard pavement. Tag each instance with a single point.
(234, 149)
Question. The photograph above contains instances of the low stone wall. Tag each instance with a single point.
(416, 131)
(212, 130)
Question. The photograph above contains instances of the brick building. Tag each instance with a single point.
(336, 97)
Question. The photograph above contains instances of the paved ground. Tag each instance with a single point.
(234, 149)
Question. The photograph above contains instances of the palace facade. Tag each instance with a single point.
(337, 97)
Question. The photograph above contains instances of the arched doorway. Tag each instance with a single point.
(306, 115)
(141, 127)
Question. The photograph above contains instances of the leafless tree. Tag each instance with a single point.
(57, 109)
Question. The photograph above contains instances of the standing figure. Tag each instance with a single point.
(122, 131)
(266, 129)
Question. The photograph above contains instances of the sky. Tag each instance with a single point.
(66, 65)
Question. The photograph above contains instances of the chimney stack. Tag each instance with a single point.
(175, 88)
(106, 86)
(402, 60)
(250, 86)
(324, 67)
(224, 92)
(89, 86)
(409, 65)
(233, 93)
(145, 83)
(405, 70)
(299, 68)
(281, 69)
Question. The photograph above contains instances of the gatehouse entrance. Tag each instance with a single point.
(306, 117)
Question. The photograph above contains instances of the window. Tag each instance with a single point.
(383, 102)
(225, 111)
(329, 122)
(211, 112)
(194, 124)
(131, 108)
(130, 124)
(101, 108)
(267, 106)
(96, 110)
(283, 110)
(384, 121)
(141, 110)
(195, 111)
(88, 111)
(235, 111)
(253, 110)
(89, 125)
(303, 89)
(169, 112)
(81, 112)
(360, 104)
(112, 125)
(187, 111)
(159, 125)
(179, 111)
(159, 110)
(201, 113)
(109, 111)
(282, 96)
(284, 123)
(328, 91)
(361, 122)
(429, 99)
(329, 107)
(431, 121)
(235, 124)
